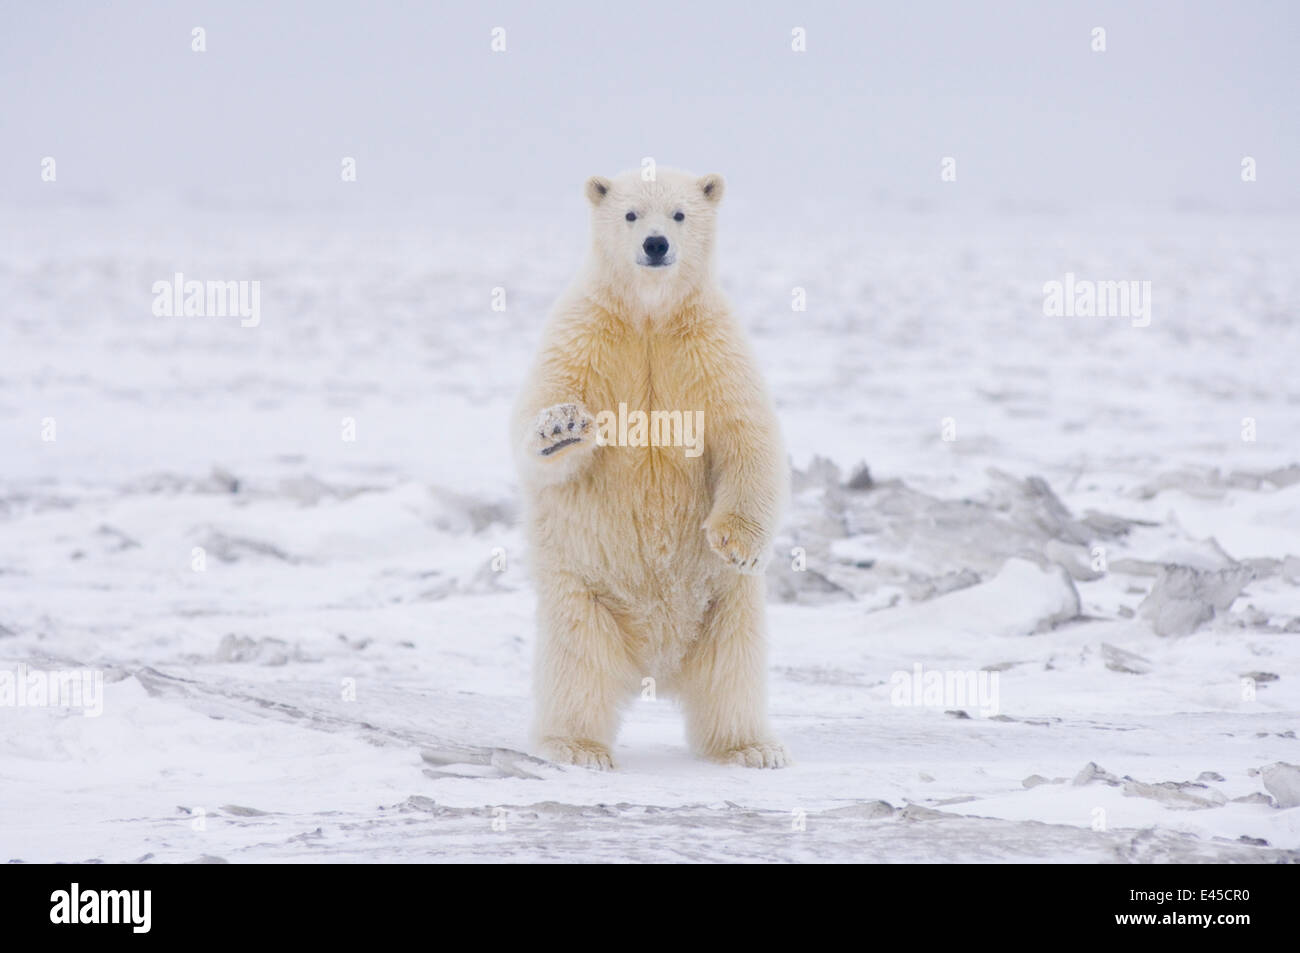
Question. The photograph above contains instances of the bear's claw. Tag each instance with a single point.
(737, 541)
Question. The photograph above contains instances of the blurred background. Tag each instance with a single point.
(414, 91)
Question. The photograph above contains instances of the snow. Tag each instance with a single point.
(229, 729)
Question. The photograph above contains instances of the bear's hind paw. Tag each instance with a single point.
(761, 754)
(579, 751)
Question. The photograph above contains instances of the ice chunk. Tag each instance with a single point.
(1183, 599)
(1282, 780)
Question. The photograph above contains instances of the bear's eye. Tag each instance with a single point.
(630, 216)
(679, 217)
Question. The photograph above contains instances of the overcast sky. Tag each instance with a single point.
(884, 91)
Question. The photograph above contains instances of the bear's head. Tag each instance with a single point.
(652, 239)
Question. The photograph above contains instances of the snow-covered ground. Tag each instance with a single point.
(342, 672)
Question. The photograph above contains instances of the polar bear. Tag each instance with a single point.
(648, 551)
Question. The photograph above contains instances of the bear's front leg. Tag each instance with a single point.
(582, 675)
(724, 680)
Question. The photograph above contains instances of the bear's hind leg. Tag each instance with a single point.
(582, 675)
(723, 681)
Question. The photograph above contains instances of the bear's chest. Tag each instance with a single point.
(648, 404)
(661, 375)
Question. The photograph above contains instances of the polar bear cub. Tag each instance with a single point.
(653, 477)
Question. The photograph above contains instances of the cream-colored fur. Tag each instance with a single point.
(648, 561)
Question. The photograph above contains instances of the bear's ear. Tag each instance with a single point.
(713, 186)
(597, 188)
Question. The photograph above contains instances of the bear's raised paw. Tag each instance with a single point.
(560, 427)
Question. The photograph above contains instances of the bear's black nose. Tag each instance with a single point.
(656, 246)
